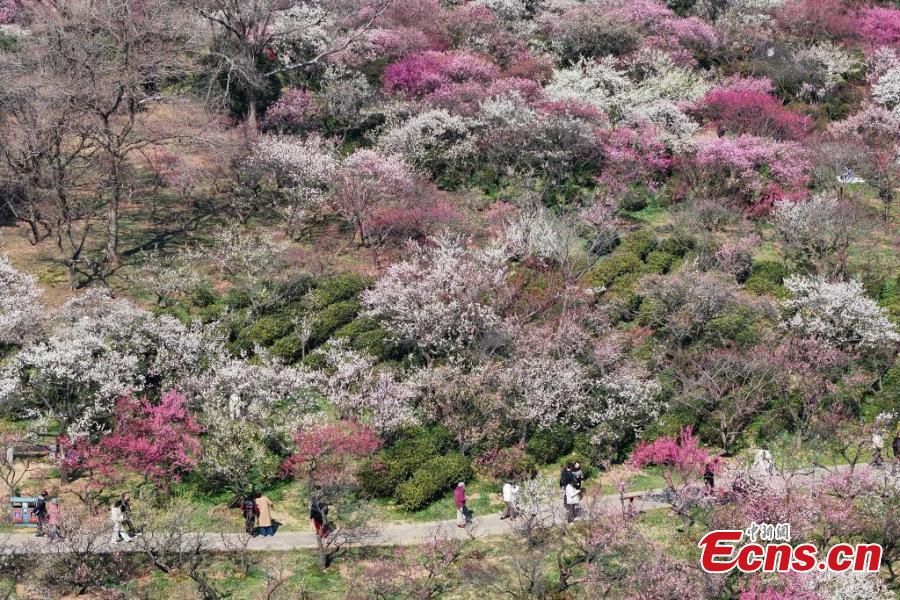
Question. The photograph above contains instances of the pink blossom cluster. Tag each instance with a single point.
(683, 454)
(760, 171)
(744, 111)
(295, 109)
(457, 81)
(879, 26)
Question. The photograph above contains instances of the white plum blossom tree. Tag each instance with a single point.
(21, 312)
(102, 348)
(836, 311)
(443, 298)
(302, 169)
(626, 403)
(544, 390)
(351, 382)
(817, 233)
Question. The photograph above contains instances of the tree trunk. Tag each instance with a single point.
(112, 225)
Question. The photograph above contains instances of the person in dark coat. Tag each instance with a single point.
(318, 514)
(709, 477)
(250, 512)
(40, 511)
(577, 475)
(128, 524)
(895, 445)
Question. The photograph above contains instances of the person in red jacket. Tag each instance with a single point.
(459, 498)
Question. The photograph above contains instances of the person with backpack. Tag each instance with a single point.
(577, 474)
(250, 512)
(127, 523)
(40, 511)
(318, 515)
(566, 478)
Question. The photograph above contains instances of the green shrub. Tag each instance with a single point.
(546, 445)
(396, 463)
(356, 327)
(296, 287)
(766, 277)
(377, 343)
(238, 298)
(331, 318)
(265, 330)
(632, 202)
(641, 242)
(337, 288)
(620, 263)
(377, 480)
(430, 481)
(678, 244)
(659, 261)
(202, 296)
(288, 348)
(739, 325)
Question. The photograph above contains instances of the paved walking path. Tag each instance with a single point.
(388, 535)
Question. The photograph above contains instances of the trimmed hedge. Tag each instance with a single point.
(397, 463)
(546, 445)
(432, 480)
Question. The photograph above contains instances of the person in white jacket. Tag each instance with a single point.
(510, 499)
(117, 516)
(573, 500)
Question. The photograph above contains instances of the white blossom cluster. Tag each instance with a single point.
(539, 234)
(628, 403)
(835, 62)
(303, 168)
(508, 10)
(657, 96)
(886, 91)
(101, 349)
(21, 312)
(432, 137)
(353, 385)
(545, 390)
(837, 311)
(441, 297)
(254, 392)
(848, 586)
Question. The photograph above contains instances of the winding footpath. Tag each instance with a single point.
(388, 535)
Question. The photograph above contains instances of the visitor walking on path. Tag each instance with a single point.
(877, 448)
(53, 520)
(577, 475)
(709, 476)
(459, 499)
(896, 446)
(118, 518)
(573, 500)
(127, 523)
(318, 514)
(565, 478)
(510, 499)
(249, 510)
(764, 462)
(264, 507)
(40, 511)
